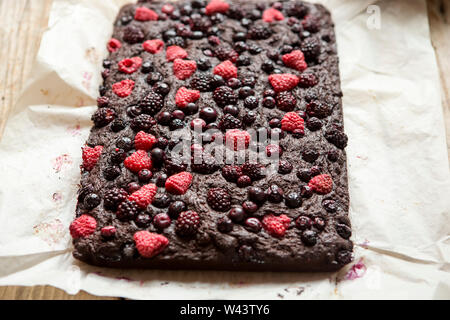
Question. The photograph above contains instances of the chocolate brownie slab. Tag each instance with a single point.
(224, 70)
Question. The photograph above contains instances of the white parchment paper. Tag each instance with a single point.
(398, 166)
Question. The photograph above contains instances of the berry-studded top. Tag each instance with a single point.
(218, 141)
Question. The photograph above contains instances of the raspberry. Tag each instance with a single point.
(321, 184)
(307, 80)
(167, 9)
(114, 45)
(137, 161)
(187, 223)
(103, 117)
(286, 101)
(145, 14)
(91, 156)
(295, 60)
(83, 226)
(123, 88)
(131, 65)
(224, 53)
(310, 48)
(271, 15)
(127, 210)
(208, 165)
(144, 141)
(175, 52)
(318, 109)
(150, 244)
(276, 225)
(202, 82)
(185, 96)
(259, 32)
(283, 81)
(292, 121)
(108, 231)
(230, 122)
(226, 70)
(179, 183)
(335, 136)
(216, 6)
(144, 196)
(238, 139)
(219, 199)
(231, 173)
(133, 34)
(142, 122)
(183, 69)
(255, 171)
(152, 103)
(224, 96)
(114, 197)
(153, 46)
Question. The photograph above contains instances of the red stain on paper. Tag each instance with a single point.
(51, 232)
(87, 77)
(60, 161)
(75, 130)
(356, 271)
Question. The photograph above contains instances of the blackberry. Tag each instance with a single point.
(286, 101)
(224, 95)
(176, 41)
(333, 155)
(200, 23)
(202, 82)
(296, 9)
(118, 125)
(91, 201)
(219, 199)
(249, 118)
(103, 116)
(142, 122)
(313, 124)
(311, 24)
(310, 48)
(255, 171)
(187, 223)
(225, 53)
(310, 155)
(307, 80)
(152, 103)
(235, 12)
(174, 165)
(114, 197)
(309, 238)
(318, 109)
(133, 34)
(231, 173)
(259, 32)
(335, 136)
(208, 165)
(284, 167)
(111, 172)
(161, 200)
(127, 210)
(229, 122)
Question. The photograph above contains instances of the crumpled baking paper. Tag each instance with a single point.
(397, 159)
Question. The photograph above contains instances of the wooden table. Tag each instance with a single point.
(22, 23)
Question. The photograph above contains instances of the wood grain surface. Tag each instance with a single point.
(22, 23)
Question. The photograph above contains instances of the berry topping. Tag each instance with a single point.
(275, 194)
(185, 96)
(90, 156)
(303, 222)
(336, 136)
(176, 207)
(133, 34)
(255, 171)
(283, 81)
(137, 161)
(284, 167)
(145, 14)
(230, 122)
(231, 172)
(123, 88)
(309, 237)
(253, 225)
(108, 231)
(226, 70)
(179, 183)
(237, 214)
(149, 244)
(295, 60)
(343, 230)
(152, 103)
(243, 181)
(292, 122)
(310, 48)
(216, 6)
(202, 82)
(83, 226)
(224, 96)
(249, 207)
(257, 195)
(144, 196)
(271, 15)
(131, 65)
(162, 221)
(307, 80)
(114, 197)
(167, 9)
(321, 184)
(237, 139)
(183, 69)
(142, 122)
(114, 45)
(127, 210)
(175, 52)
(225, 53)
(103, 117)
(187, 223)
(219, 199)
(224, 225)
(293, 200)
(259, 32)
(207, 164)
(153, 46)
(276, 225)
